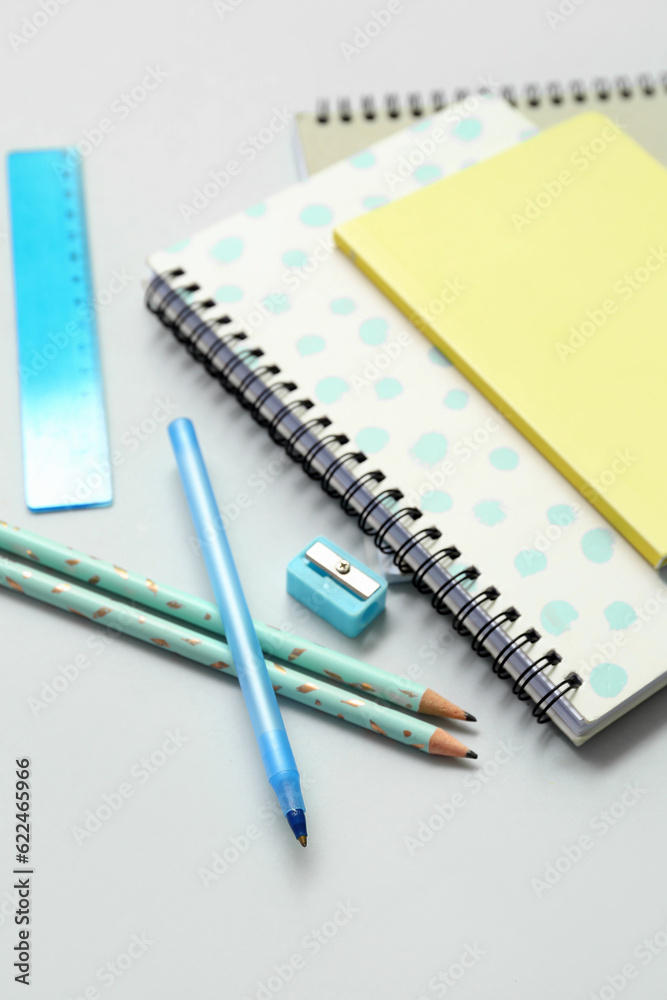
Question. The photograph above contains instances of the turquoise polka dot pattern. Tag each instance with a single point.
(489, 512)
(295, 258)
(256, 211)
(504, 459)
(374, 201)
(608, 679)
(388, 388)
(438, 358)
(557, 617)
(228, 293)
(427, 173)
(276, 303)
(177, 247)
(423, 126)
(598, 545)
(331, 388)
(310, 344)
(436, 501)
(342, 307)
(373, 331)
(362, 161)
(228, 249)
(372, 439)
(456, 399)
(620, 615)
(316, 215)
(561, 515)
(430, 448)
(468, 130)
(530, 561)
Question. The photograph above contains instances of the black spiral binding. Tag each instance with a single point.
(532, 95)
(208, 345)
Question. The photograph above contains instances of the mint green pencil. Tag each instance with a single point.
(204, 614)
(171, 636)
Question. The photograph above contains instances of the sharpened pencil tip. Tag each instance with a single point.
(303, 840)
(470, 718)
(471, 754)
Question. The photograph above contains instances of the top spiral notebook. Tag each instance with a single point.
(405, 444)
(333, 132)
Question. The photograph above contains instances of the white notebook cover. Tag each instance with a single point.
(275, 271)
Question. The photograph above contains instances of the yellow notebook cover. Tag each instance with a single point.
(542, 274)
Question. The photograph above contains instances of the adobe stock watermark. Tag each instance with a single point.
(564, 10)
(600, 826)
(121, 108)
(444, 812)
(624, 290)
(460, 453)
(32, 24)
(218, 181)
(140, 773)
(605, 651)
(430, 653)
(117, 967)
(425, 145)
(364, 34)
(377, 367)
(445, 980)
(276, 301)
(644, 954)
(603, 481)
(53, 689)
(225, 7)
(564, 515)
(237, 846)
(256, 485)
(562, 519)
(450, 291)
(311, 944)
(60, 340)
(8, 906)
(581, 160)
(131, 440)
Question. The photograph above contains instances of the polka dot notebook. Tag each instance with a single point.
(394, 432)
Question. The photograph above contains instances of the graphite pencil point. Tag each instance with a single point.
(471, 754)
(433, 703)
(445, 745)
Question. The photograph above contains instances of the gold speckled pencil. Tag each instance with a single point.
(203, 614)
(174, 637)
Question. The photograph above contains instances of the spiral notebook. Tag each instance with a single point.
(331, 133)
(562, 608)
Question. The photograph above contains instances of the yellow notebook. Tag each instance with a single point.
(542, 274)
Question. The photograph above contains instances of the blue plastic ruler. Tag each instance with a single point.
(65, 442)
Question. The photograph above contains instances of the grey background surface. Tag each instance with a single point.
(537, 862)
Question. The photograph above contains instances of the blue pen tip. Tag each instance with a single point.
(297, 821)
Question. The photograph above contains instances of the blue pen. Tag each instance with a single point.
(260, 698)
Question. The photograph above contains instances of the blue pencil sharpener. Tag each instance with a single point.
(336, 586)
